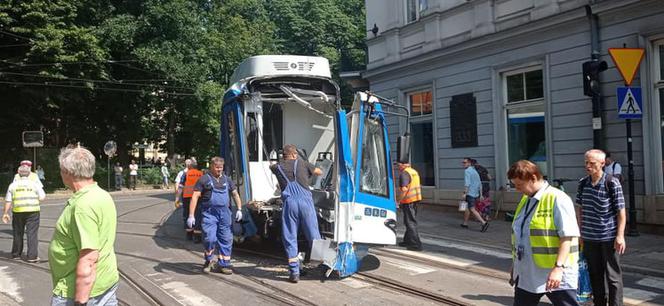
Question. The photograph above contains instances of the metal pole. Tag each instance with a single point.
(632, 231)
(34, 156)
(596, 98)
(108, 166)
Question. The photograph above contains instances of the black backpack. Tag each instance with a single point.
(484, 177)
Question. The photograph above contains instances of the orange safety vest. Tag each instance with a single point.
(414, 192)
(192, 177)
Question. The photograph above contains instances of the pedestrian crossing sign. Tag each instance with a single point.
(630, 105)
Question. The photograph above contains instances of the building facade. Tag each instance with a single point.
(501, 80)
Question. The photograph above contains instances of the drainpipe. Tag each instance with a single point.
(596, 98)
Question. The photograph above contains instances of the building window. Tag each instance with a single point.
(525, 112)
(414, 9)
(659, 89)
(421, 130)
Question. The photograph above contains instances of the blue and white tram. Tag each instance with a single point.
(280, 99)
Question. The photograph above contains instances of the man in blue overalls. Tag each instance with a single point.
(213, 190)
(298, 211)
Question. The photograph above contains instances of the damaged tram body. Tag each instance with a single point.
(276, 100)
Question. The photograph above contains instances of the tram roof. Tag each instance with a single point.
(281, 65)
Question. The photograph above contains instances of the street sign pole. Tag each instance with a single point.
(630, 106)
(632, 231)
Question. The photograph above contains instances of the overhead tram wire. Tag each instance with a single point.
(16, 36)
(93, 88)
(92, 80)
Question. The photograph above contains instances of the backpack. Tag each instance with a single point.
(484, 177)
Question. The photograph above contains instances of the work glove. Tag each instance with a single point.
(191, 221)
(238, 216)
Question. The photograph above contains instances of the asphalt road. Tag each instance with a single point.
(159, 267)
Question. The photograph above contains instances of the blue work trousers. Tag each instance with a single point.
(298, 213)
(217, 222)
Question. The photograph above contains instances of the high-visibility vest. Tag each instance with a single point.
(25, 197)
(190, 180)
(414, 192)
(32, 177)
(544, 239)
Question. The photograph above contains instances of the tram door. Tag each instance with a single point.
(233, 148)
(367, 206)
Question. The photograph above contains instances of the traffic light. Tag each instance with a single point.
(591, 70)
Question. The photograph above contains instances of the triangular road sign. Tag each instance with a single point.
(629, 105)
(627, 61)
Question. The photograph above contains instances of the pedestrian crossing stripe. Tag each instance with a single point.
(629, 103)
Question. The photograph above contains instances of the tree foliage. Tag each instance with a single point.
(89, 71)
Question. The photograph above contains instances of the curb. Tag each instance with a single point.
(642, 270)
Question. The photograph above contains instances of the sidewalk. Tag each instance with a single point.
(66, 193)
(644, 255)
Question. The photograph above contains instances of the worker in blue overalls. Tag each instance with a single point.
(298, 211)
(213, 190)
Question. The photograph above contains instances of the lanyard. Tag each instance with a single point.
(529, 210)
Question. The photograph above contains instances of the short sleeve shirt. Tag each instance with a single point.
(531, 277)
(599, 209)
(205, 183)
(472, 180)
(305, 170)
(133, 169)
(88, 221)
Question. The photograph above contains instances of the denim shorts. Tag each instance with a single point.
(471, 201)
(108, 298)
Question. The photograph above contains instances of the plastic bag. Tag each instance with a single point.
(584, 292)
(463, 205)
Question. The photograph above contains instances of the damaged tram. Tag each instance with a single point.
(276, 100)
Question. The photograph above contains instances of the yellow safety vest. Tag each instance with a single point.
(414, 192)
(25, 197)
(544, 240)
(32, 177)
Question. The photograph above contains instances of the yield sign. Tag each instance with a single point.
(627, 61)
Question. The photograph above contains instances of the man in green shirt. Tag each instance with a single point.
(81, 254)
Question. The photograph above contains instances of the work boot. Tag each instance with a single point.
(294, 272)
(223, 267)
(294, 278)
(208, 259)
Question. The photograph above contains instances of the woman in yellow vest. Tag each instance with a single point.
(544, 240)
(23, 196)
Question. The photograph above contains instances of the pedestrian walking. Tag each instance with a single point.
(601, 211)
(81, 255)
(186, 191)
(23, 198)
(40, 173)
(213, 191)
(165, 175)
(117, 170)
(612, 167)
(410, 196)
(544, 240)
(178, 178)
(472, 193)
(298, 211)
(32, 176)
(133, 174)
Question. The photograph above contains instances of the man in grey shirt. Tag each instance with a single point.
(471, 194)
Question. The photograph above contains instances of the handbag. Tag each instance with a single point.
(463, 205)
(584, 292)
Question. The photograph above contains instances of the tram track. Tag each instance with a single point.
(146, 295)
